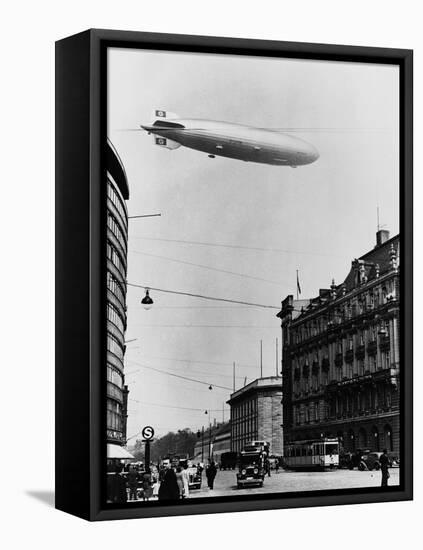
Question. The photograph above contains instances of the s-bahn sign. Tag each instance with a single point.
(147, 433)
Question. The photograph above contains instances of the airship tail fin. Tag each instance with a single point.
(166, 142)
(161, 113)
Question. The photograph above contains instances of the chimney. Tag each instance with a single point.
(382, 236)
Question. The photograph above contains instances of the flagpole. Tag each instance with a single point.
(297, 284)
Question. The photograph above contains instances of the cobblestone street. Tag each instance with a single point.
(289, 481)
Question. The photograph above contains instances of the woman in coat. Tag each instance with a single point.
(169, 489)
(180, 481)
(211, 474)
(185, 479)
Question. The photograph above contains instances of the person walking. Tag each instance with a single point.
(117, 487)
(211, 472)
(185, 480)
(267, 466)
(180, 481)
(277, 465)
(147, 487)
(384, 467)
(169, 489)
(133, 483)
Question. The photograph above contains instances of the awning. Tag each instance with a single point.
(116, 451)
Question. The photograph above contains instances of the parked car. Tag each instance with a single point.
(372, 460)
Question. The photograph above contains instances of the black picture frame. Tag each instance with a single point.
(80, 281)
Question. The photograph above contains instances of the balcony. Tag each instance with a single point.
(384, 343)
(325, 364)
(306, 370)
(360, 352)
(349, 356)
(372, 347)
(339, 360)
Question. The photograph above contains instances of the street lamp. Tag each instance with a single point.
(147, 302)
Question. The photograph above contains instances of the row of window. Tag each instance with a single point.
(114, 286)
(312, 380)
(114, 420)
(115, 318)
(244, 409)
(345, 311)
(113, 391)
(116, 259)
(117, 201)
(114, 346)
(114, 376)
(349, 404)
(114, 227)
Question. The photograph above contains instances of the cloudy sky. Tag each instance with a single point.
(257, 223)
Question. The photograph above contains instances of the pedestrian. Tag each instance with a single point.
(169, 489)
(277, 465)
(147, 489)
(180, 481)
(211, 472)
(267, 466)
(384, 467)
(117, 486)
(185, 479)
(133, 483)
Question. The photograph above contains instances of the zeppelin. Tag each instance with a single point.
(235, 141)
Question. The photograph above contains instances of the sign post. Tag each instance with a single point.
(147, 435)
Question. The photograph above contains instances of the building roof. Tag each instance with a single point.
(384, 257)
(116, 169)
(269, 382)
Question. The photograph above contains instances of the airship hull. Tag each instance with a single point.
(234, 141)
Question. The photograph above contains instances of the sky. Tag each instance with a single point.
(258, 224)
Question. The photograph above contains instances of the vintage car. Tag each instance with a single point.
(251, 469)
(371, 461)
(194, 474)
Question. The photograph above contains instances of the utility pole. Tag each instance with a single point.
(261, 358)
(202, 444)
(277, 359)
(233, 375)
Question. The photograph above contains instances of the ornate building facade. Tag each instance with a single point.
(341, 356)
(117, 249)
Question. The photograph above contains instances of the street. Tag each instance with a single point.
(289, 481)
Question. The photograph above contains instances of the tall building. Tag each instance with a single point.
(341, 357)
(256, 414)
(117, 249)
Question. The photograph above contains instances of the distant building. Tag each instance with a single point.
(212, 441)
(221, 442)
(117, 249)
(256, 414)
(340, 358)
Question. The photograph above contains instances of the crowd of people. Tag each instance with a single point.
(168, 483)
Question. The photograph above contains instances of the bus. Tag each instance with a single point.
(312, 454)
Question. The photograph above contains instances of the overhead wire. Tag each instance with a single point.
(201, 296)
(210, 268)
(226, 245)
(182, 377)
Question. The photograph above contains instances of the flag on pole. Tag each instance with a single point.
(298, 285)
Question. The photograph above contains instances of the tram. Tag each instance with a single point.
(312, 454)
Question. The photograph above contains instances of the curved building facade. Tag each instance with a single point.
(117, 249)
